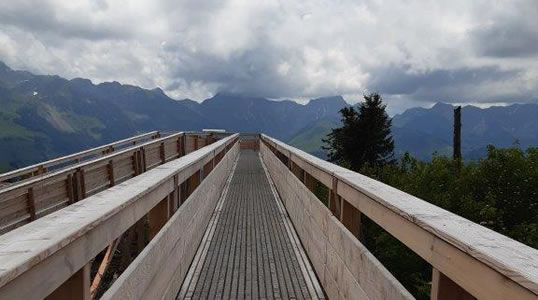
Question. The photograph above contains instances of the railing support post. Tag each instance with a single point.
(158, 216)
(77, 287)
(351, 218)
(334, 199)
(443, 288)
(162, 153)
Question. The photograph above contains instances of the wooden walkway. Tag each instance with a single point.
(250, 250)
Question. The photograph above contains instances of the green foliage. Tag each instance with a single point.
(364, 138)
(310, 139)
(499, 192)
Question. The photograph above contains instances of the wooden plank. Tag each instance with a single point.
(351, 218)
(103, 266)
(445, 289)
(157, 217)
(31, 204)
(111, 173)
(163, 263)
(346, 269)
(251, 255)
(42, 168)
(33, 256)
(500, 256)
(76, 288)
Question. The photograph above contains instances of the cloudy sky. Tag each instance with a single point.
(413, 52)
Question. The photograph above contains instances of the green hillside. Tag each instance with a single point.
(309, 139)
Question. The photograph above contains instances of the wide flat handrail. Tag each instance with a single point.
(37, 258)
(43, 167)
(475, 257)
(57, 189)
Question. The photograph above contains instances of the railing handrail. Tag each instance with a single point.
(56, 161)
(506, 256)
(107, 157)
(29, 245)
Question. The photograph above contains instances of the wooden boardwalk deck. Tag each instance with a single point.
(250, 250)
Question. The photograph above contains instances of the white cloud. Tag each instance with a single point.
(284, 49)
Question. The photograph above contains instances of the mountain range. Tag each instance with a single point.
(43, 116)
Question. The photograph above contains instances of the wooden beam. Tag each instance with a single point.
(105, 263)
(157, 217)
(110, 168)
(70, 191)
(334, 198)
(351, 218)
(309, 181)
(82, 184)
(445, 289)
(31, 203)
(163, 153)
(77, 287)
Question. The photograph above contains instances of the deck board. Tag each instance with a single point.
(250, 253)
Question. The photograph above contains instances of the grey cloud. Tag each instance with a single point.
(512, 33)
(196, 48)
(44, 19)
(432, 84)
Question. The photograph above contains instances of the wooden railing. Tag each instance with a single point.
(51, 257)
(468, 259)
(249, 141)
(64, 161)
(29, 200)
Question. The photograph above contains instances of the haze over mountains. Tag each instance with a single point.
(45, 116)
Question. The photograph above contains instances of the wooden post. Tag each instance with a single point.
(443, 288)
(77, 191)
(143, 160)
(157, 217)
(82, 183)
(193, 182)
(178, 146)
(77, 287)
(351, 218)
(136, 162)
(31, 203)
(457, 133)
(309, 181)
(213, 160)
(70, 192)
(183, 191)
(140, 229)
(163, 153)
(195, 142)
(334, 198)
(105, 263)
(111, 173)
(184, 145)
(289, 160)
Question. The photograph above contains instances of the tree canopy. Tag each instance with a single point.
(365, 137)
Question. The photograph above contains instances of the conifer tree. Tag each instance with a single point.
(364, 138)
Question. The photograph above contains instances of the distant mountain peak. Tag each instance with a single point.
(328, 99)
(4, 67)
(442, 105)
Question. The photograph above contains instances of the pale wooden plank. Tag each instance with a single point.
(41, 246)
(506, 256)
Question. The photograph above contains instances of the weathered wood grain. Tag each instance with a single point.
(486, 256)
(37, 258)
(345, 268)
(77, 157)
(89, 177)
(251, 255)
